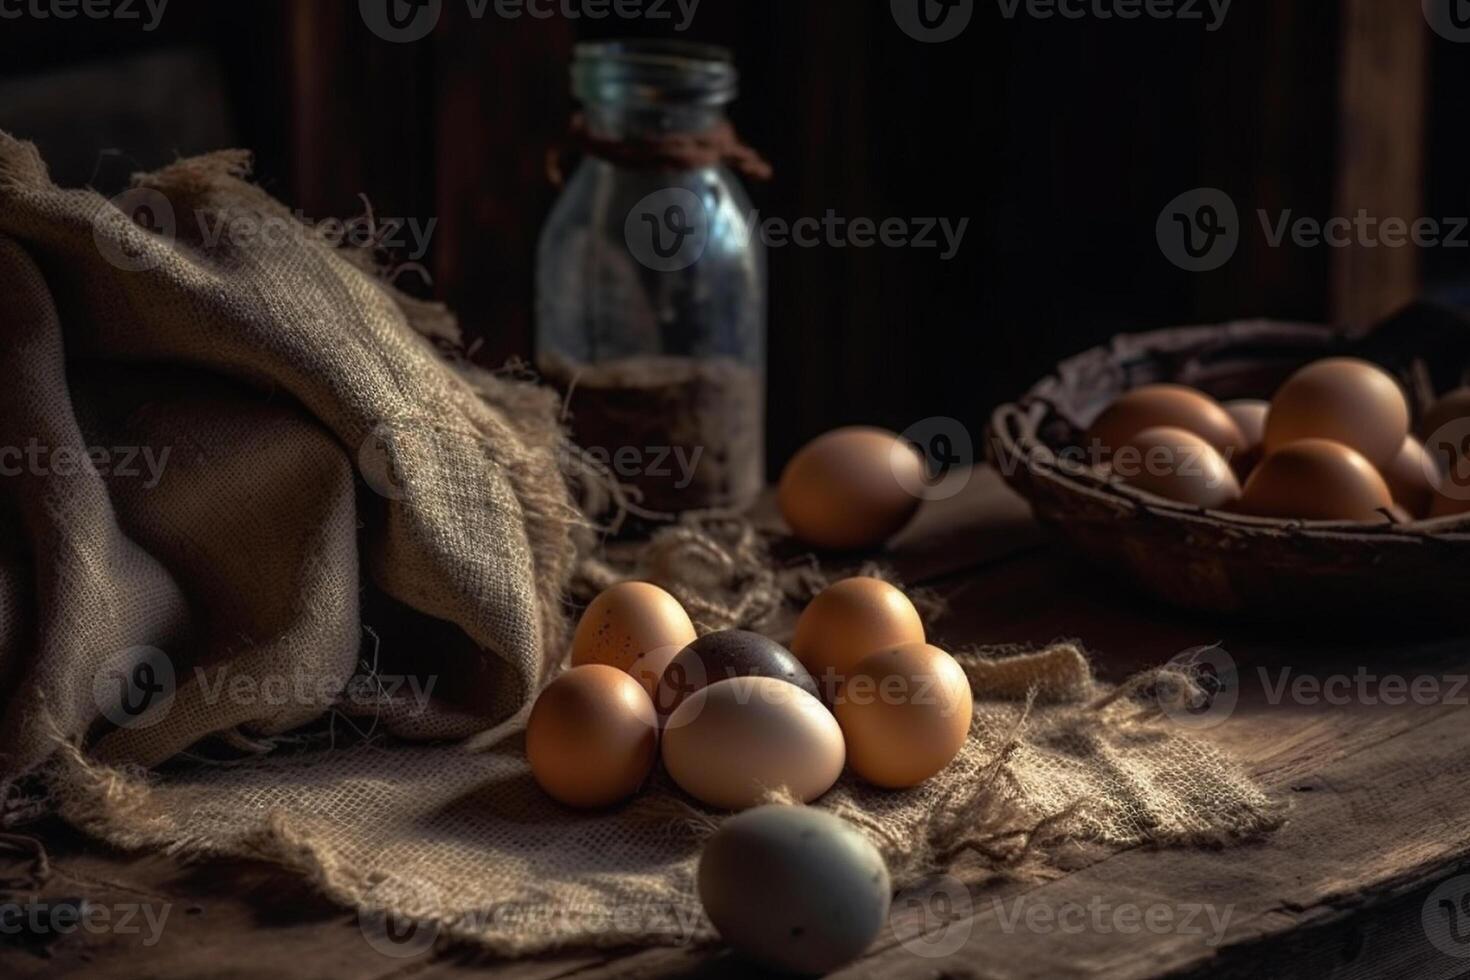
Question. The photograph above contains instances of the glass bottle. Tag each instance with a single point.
(651, 282)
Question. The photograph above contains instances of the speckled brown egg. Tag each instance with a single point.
(847, 489)
(627, 621)
(1343, 399)
(592, 737)
(725, 654)
(1316, 480)
(1177, 465)
(905, 713)
(849, 620)
(1150, 406)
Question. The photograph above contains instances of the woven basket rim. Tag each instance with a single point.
(1023, 459)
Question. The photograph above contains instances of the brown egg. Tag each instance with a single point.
(1453, 409)
(1176, 465)
(627, 621)
(1452, 500)
(1154, 405)
(1452, 493)
(1446, 431)
(905, 714)
(1250, 415)
(730, 743)
(849, 620)
(1343, 399)
(1316, 480)
(1412, 476)
(845, 490)
(592, 737)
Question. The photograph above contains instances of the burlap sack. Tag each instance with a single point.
(341, 506)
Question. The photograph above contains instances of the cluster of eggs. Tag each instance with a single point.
(1333, 444)
(734, 714)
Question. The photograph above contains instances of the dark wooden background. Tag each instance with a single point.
(1059, 140)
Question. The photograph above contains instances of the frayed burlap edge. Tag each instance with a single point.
(977, 823)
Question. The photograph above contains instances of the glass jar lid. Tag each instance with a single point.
(653, 72)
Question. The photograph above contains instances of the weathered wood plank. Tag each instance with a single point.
(1369, 828)
(1377, 819)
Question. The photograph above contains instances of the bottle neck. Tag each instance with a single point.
(626, 121)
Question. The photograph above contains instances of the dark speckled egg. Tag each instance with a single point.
(720, 656)
(794, 888)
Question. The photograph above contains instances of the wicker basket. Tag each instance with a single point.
(1242, 567)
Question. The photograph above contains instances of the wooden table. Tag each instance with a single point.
(1378, 829)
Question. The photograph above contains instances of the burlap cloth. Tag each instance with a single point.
(343, 504)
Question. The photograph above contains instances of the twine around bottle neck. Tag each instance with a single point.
(668, 152)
